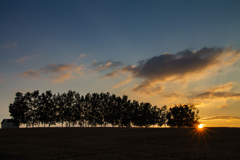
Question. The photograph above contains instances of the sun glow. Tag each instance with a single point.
(200, 126)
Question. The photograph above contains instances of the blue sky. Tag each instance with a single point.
(120, 47)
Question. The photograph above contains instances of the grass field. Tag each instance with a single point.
(120, 144)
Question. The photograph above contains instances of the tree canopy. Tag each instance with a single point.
(96, 109)
(183, 116)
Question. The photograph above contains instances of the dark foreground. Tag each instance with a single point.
(120, 144)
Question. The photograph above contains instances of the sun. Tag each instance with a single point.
(200, 126)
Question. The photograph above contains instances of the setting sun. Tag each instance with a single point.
(200, 126)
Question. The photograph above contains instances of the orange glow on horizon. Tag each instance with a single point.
(200, 126)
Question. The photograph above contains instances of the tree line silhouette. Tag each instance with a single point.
(95, 109)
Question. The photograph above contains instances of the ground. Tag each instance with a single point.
(120, 144)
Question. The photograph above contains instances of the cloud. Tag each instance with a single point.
(123, 70)
(218, 96)
(148, 88)
(221, 117)
(180, 67)
(123, 82)
(57, 72)
(9, 45)
(62, 77)
(106, 65)
(170, 67)
(82, 55)
(222, 88)
(31, 73)
(215, 95)
(223, 106)
(218, 92)
(25, 58)
(58, 68)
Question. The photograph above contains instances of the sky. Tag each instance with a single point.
(166, 52)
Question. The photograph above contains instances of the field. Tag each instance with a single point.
(120, 144)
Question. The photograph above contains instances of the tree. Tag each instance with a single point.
(87, 108)
(18, 109)
(143, 115)
(59, 102)
(96, 109)
(78, 109)
(34, 102)
(70, 105)
(48, 109)
(126, 112)
(183, 116)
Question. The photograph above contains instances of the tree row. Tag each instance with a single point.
(95, 109)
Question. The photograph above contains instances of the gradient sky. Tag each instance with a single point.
(165, 52)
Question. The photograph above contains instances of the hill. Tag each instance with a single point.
(120, 143)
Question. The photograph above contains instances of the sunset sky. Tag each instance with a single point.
(165, 52)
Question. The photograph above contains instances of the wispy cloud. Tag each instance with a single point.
(215, 95)
(222, 88)
(25, 58)
(148, 88)
(9, 45)
(223, 106)
(123, 70)
(82, 55)
(57, 72)
(221, 117)
(62, 77)
(106, 65)
(218, 92)
(179, 67)
(123, 82)
(31, 73)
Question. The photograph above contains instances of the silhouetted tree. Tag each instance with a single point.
(183, 116)
(33, 107)
(96, 109)
(126, 112)
(143, 115)
(49, 109)
(18, 109)
(70, 105)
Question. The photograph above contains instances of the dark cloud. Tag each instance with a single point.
(221, 117)
(185, 62)
(172, 67)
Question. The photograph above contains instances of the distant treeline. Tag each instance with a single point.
(95, 109)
